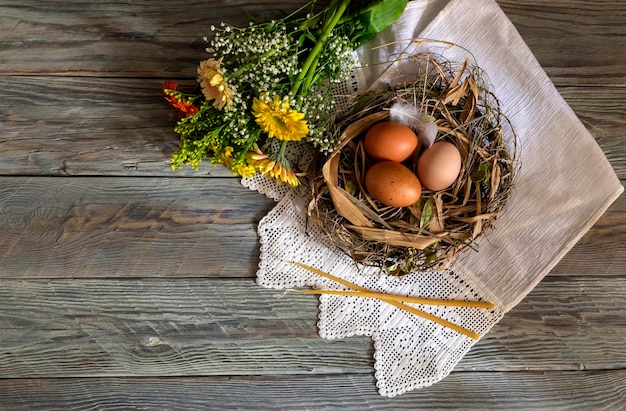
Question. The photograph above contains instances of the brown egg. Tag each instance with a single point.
(393, 184)
(439, 166)
(390, 141)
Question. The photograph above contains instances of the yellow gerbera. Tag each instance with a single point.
(213, 83)
(278, 120)
(274, 169)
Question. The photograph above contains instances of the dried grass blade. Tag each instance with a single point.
(468, 190)
(495, 180)
(365, 211)
(400, 305)
(442, 74)
(458, 210)
(395, 238)
(346, 208)
(469, 109)
(473, 219)
(455, 94)
(460, 236)
(436, 225)
(478, 228)
(402, 298)
(459, 73)
(478, 225)
(343, 205)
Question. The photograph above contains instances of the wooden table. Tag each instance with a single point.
(126, 285)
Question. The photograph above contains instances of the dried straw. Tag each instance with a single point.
(441, 224)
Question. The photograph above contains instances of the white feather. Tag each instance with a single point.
(412, 117)
(405, 113)
(428, 131)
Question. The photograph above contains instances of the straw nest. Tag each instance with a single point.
(440, 224)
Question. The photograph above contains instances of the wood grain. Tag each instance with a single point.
(126, 285)
(574, 41)
(90, 127)
(468, 391)
(601, 110)
(128, 227)
(601, 250)
(110, 39)
(123, 127)
(150, 327)
(578, 43)
(160, 227)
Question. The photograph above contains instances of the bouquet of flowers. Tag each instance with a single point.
(269, 84)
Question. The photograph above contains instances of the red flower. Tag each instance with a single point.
(183, 108)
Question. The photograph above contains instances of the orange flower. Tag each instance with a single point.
(213, 83)
(273, 168)
(183, 108)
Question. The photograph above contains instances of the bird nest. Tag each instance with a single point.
(427, 234)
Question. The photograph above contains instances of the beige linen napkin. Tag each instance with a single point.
(565, 182)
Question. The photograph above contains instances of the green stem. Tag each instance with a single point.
(280, 157)
(332, 10)
(309, 79)
(327, 27)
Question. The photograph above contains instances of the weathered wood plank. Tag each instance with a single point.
(55, 227)
(89, 126)
(556, 325)
(125, 227)
(152, 327)
(129, 39)
(197, 343)
(572, 40)
(565, 36)
(468, 391)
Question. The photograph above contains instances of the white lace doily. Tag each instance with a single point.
(410, 352)
(543, 220)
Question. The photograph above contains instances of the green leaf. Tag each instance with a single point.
(301, 40)
(381, 15)
(310, 36)
(427, 213)
(250, 17)
(364, 38)
(350, 187)
(482, 173)
(430, 254)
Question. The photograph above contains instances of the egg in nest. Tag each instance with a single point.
(391, 141)
(439, 166)
(392, 184)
